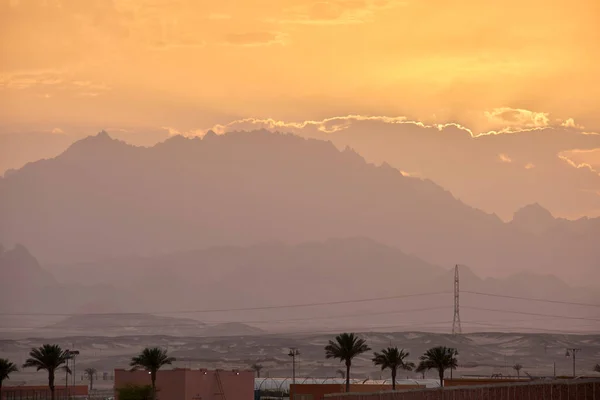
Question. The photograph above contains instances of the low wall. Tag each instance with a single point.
(42, 392)
(555, 390)
(482, 381)
(317, 391)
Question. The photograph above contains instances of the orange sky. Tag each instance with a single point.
(74, 65)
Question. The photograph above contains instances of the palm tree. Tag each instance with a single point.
(91, 374)
(597, 368)
(345, 347)
(151, 359)
(6, 368)
(421, 369)
(518, 367)
(392, 359)
(440, 358)
(49, 357)
(257, 368)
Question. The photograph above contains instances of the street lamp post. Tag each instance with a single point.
(67, 357)
(572, 353)
(70, 355)
(293, 353)
(74, 354)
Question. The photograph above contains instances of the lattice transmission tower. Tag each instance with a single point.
(456, 328)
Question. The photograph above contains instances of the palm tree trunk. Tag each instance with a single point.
(441, 372)
(348, 363)
(51, 384)
(0, 389)
(393, 378)
(91, 382)
(153, 377)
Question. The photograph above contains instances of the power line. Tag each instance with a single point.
(532, 299)
(328, 303)
(535, 314)
(512, 329)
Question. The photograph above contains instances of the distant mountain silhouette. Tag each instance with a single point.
(22, 270)
(27, 287)
(275, 274)
(103, 198)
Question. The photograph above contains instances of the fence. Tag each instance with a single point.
(42, 393)
(588, 389)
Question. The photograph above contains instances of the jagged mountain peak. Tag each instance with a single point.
(534, 218)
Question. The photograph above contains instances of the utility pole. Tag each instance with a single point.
(74, 354)
(293, 353)
(456, 328)
(67, 356)
(572, 352)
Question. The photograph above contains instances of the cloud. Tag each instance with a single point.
(255, 39)
(509, 119)
(583, 158)
(336, 12)
(326, 125)
(48, 83)
(463, 162)
(570, 123)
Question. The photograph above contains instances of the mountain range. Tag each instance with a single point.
(276, 287)
(103, 199)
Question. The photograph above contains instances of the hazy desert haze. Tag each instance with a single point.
(356, 148)
(263, 280)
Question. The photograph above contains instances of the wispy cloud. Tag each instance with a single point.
(47, 83)
(252, 39)
(336, 12)
(517, 118)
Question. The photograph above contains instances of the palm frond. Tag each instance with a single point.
(47, 357)
(440, 357)
(6, 368)
(392, 358)
(345, 347)
(151, 359)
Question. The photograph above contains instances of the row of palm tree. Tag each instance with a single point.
(52, 358)
(347, 346)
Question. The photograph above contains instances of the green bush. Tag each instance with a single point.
(135, 392)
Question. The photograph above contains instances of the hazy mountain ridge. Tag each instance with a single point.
(103, 198)
(277, 274)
